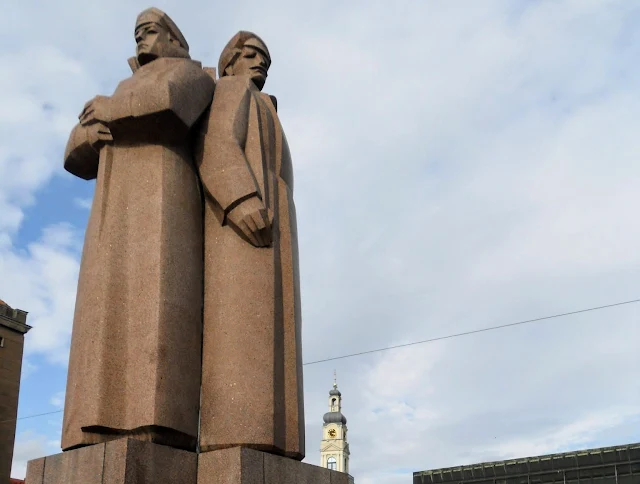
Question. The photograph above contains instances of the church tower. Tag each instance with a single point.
(334, 449)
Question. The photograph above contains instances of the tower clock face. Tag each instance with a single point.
(332, 433)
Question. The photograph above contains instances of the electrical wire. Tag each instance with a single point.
(30, 416)
(431, 340)
(466, 333)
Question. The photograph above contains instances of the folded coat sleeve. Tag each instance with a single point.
(80, 157)
(171, 105)
(220, 152)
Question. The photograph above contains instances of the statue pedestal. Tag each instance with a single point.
(247, 466)
(122, 461)
(129, 461)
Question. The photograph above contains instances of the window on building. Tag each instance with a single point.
(332, 464)
(1, 342)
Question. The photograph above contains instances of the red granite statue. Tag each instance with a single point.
(135, 363)
(252, 366)
(185, 361)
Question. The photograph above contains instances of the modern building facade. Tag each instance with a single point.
(13, 327)
(334, 448)
(606, 465)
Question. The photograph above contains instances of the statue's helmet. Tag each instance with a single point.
(233, 49)
(166, 49)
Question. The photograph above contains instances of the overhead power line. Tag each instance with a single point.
(431, 340)
(466, 333)
(32, 416)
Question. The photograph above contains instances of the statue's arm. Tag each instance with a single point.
(224, 169)
(82, 152)
(185, 93)
(226, 175)
(166, 109)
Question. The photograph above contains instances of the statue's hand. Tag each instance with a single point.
(253, 221)
(98, 135)
(98, 110)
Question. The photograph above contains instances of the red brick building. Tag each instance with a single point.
(13, 327)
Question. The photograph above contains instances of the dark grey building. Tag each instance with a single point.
(13, 327)
(607, 465)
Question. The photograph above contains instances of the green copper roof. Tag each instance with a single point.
(544, 464)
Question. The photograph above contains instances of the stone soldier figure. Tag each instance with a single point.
(252, 365)
(135, 366)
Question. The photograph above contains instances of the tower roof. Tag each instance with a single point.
(334, 417)
(334, 390)
(2, 303)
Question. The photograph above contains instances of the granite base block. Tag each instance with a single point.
(247, 466)
(130, 461)
(123, 461)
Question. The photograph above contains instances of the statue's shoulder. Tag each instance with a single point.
(174, 69)
(186, 67)
(236, 83)
(270, 99)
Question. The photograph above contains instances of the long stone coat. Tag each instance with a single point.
(135, 364)
(252, 364)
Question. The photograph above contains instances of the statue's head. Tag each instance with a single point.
(246, 54)
(158, 36)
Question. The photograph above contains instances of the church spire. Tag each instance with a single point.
(334, 449)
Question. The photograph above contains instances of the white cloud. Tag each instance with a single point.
(54, 444)
(57, 400)
(36, 117)
(84, 203)
(456, 168)
(574, 435)
(38, 81)
(28, 368)
(28, 446)
(44, 279)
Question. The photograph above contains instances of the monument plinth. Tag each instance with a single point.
(123, 461)
(131, 461)
(185, 364)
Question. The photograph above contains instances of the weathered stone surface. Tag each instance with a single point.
(339, 478)
(35, 471)
(247, 466)
(135, 366)
(229, 466)
(252, 363)
(81, 466)
(130, 461)
(277, 469)
(124, 461)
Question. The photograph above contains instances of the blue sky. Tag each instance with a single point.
(458, 165)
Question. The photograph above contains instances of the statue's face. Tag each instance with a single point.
(253, 61)
(151, 40)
